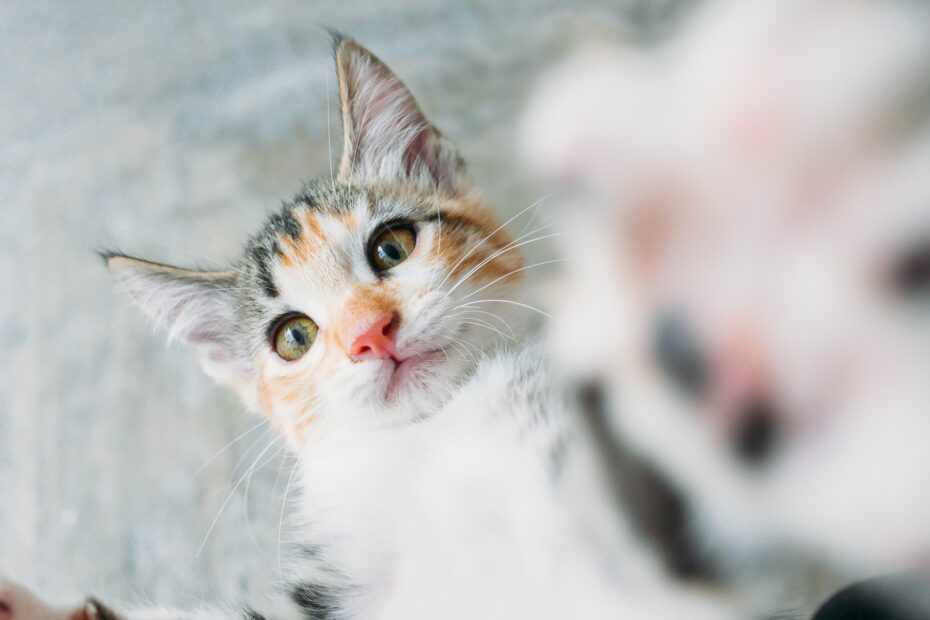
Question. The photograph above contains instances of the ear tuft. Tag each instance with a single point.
(174, 297)
(196, 307)
(386, 137)
(336, 38)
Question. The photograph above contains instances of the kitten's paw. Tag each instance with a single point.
(18, 603)
(94, 610)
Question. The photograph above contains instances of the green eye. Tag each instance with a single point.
(391, 247)
(293, 337)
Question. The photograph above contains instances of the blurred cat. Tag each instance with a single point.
(751, 265)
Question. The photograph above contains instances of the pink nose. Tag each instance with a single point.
(377, 341)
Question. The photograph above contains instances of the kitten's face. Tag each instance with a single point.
(374, 270)
(364, 301)
(752, 288)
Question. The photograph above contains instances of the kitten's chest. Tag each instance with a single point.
(356, 495)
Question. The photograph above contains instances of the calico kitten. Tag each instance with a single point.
(356, 310)
(350, 309)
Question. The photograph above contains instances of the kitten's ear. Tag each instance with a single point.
(386, 136)
(196, 307)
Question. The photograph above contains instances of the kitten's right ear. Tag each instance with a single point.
(386, 136)
(196, 307)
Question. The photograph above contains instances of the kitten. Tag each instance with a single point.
(356, 311)
(751, 260)
(372, 321)
(352, 309)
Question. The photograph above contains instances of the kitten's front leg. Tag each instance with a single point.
(18, 603)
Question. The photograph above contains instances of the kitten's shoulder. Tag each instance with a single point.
(512, 387)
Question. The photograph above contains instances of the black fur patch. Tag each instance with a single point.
(103, 612)
(896, 597)
(654, 506)
(285, 223)
(261, 257)
(318, 602)
(305, 199)
(757, 436)
(310, 551)
(250, 614)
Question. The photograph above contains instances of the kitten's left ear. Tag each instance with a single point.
(386, 136)
(198, 308)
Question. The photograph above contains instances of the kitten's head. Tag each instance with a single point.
(750, 276)
(363, 301)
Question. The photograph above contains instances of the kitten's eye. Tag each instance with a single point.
(391, 247)
(293, 337)
(912, 272)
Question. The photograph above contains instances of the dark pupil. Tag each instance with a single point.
(296, 337)
(389, 252)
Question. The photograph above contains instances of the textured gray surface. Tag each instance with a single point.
(169, 129)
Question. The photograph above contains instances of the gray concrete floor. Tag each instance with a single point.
(169, 129)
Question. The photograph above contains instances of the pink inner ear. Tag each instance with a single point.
(390, 124)
(416, 150)
(424, 151)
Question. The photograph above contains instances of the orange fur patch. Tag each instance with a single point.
(348, 219)
(454, 244)
(311, 238)
(288, 402)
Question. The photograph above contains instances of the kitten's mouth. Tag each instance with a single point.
(407, 368)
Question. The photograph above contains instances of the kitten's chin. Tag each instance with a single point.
(418, 385)
(388, 393)
(413, 373)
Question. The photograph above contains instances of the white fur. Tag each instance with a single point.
(460, 516)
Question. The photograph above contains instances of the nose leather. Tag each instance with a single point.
(377, 341)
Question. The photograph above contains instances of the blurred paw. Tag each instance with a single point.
(18, 603)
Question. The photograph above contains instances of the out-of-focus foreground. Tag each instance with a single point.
(749, 275)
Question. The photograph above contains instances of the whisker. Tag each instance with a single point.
(496, 280)
(486, 325)
(287, 490)
(249, 431)
(229, 496)
(508, 301)
(491, 314)
(467, 356)
(248, 487)
(506, 246)
(491, 234)
(500, 252)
